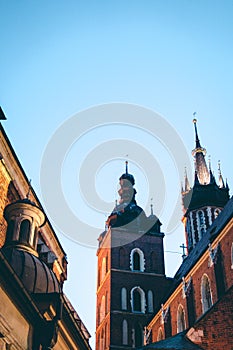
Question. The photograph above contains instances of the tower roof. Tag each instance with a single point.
(199, 155)
(205, 191)
(127, 176)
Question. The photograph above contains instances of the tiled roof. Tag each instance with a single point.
(217, 226)
(177, 342)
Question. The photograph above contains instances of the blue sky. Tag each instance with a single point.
(60, 57)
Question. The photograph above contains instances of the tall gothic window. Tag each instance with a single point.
(138, 300)
(201, 223)
(216, 212)
(206, 293)
(24, 232)
(124, 332)
(150, 301)
(123, 298)
(180, 319)
(189, 233)
(137, 260)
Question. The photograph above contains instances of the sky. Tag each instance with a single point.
(62, 58)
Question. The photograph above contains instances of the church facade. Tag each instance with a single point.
(35, 314)
(137, 305)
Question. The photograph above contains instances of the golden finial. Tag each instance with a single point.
(219, 167)
(194, 117)
(126, 166)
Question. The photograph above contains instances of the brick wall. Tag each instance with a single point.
(215, 328)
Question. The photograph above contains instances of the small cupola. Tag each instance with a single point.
(24, 218)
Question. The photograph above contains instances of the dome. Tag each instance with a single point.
(128, 177)
(34, 274)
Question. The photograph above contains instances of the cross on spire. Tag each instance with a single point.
(183, 248)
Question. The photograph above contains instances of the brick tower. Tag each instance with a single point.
(131, 272)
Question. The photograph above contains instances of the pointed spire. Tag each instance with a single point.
(151, 207)
(198, 145)
(186, 181)
(196, 180)
(220, 178)
(212, 178)
(200, 163)
(181, 186)
(126, 166)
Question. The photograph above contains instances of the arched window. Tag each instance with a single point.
(150, 301)
(137, 261)
(216, 212)
(160, 334)
(206, 293)
(201, 223)
(124, 332)
(103, 268)
(24, 232)
(180, 319)
(138, 300)
(123, 298)
(189, 233)
(102, 308)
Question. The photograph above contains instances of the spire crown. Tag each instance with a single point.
(198, 145)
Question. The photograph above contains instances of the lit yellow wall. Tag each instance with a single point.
(13, 325)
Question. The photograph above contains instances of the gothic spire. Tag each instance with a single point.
(187, 186)
(212, 178)
(220, 178)
(199, 156)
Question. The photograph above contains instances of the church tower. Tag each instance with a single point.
(204, 201)
(131, 272)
